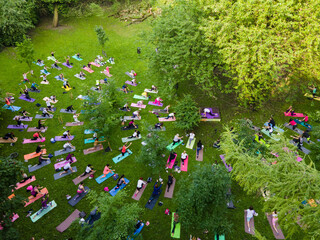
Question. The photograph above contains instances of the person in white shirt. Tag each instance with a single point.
(136, 134)
(88, 170)
(75, 117)
(171, 115)
(140, 185)
(250, 214)
(125, 107)
(192, 135)
(136, 114)
(207, 111)
(167, 108)
(176, 139)
(48, 102)
(66, 134)
(184, 156)
(66, 168)
(66, 146)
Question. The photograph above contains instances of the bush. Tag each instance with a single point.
(187, 113)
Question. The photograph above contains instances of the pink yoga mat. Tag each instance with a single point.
(60, 138)
(66, 223)
(184, 168)
(167, 120)
(171, 189)
(106, 73)
(140, 192)
(172, 162)
(88, 69)
(130, 83)
(251, 223)
(279, 234)
(85, 151)
(20, 185)
(63, 163)
(65, 64)
(138, 106)
(294, 115)
(200, 156)
(70, 124)
(33, 141)
(26, 119)
(154, 104)
(78, 180)
(95, 64)
(33, 129)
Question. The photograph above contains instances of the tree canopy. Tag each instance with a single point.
(25, 51)
(187, 113)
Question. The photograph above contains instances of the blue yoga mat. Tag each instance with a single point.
(12, 108)
(73, 202)
(153, 202)
(119, 158)
(100, 180)
(114, 191)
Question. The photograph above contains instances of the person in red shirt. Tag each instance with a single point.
(124, 149)
(37, 135)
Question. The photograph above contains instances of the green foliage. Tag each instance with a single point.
(123, 215)
(83, 10)
(315, 115)
(187, 113)
(101, 35)
(16, 19)
(203, 204)
(25, 51)
(151, 154)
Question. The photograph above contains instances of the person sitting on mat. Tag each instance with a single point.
(184, 156)
(140, 103)
(75, 118)
(52, 53)
(9, 135)
(207, 111)
(125, 107)
(37, 135)
(82, 74)
(124, 150)
(42, 159)
(272, 122)
(217, 144)
(111, 60)
(156, 190)
(131, 125)
(175, 221)
(136, 134)
(61, 77)
(48, 103)
(305, 119)
(106, 171)
(67, 146)
(80, 190)
(53, 98)
(34, 86)
(170, 181)
(306, 135)
(120, 182)
(170, 116)
(158, 126)
(158, 101)
(98, 88)
(66, 168)
(25, 78)
(70, 108)
(24, 176)
(34, 190)
(44, 204)
(153, 88)
(96, 145)
(298, 140)
(292, 123)
(45, 70)
(40, 123)
(260, 136)
(250, 214)
(140, 185)
(66, 134)
(199, 147)
(136, 114)
(88, 170)
(66, 84)
(68, 61)
(176, 139)
(108, 70)
(314, 91)
(18, 120)
(26, 93)
(124, 88)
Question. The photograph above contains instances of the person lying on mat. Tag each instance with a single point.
(125, 88)
(67, 146)
(120, 182)
(44, 204)
(136, 114)
(96, 145)
(66, 168)
(42, 159)
(40, 123)
(124, 149)
(88, 170)
(217, 144)
(199, 147)
(34, 190)
(314, 91)
(184, 156)
(290, 111)
(292, 123)
(156, 191)
(158, 126)
(9, 135)
(45, 112)
(26, 92)
(131, 125)
(207, 111)
(106, 171)
(140, 185)
(25, 77)
(24, 176)
(36, 135)
(66, 84)
(66, 134)
(191, 137)
(170, 181)
(80, 190)
(175, 221)
(170, 116)
(250, 214)
(274, 215)
(176, 167)
(176, 139)
(298, 140)
(136, 134)
(34, 86)
(82, 74)
(18, 120)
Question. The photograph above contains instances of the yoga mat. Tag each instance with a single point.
(36, 167)
(33, 155)
(251, 223)
(48, 99)
(132, 84)
(138, 106)
(89, 131)
(86, 152)
(149, 91)
(21, 185)
(16, 127)
(22, 97)
(33, 141)
(52, 58)
(114, 191)
(35, 91)
(262, 142)
(65, 111)
(66, 65)
(88, 69)
(66, 223)
(184, 168)
(297, 130)
(123, 128)
(208, 116)
(274, 127)
(130, 139)
(303, 149)
(273, 135)
(106, 73)
(78, 76)
(176, 233)
(138, 196)
(125, 110)
(190, 146)
(153, 202)
(34, 129)
(221, 237)
(279, 234)
(58, 78)
(79, 179)
(129, 74)
(59, 152)
(154, 104)
(170, 147)
(43, 72)
(27, 119)
(170, 165)
(140, 97)
(67, 88)
(228, 167)
(34, 217)
(159, 110)
(53, 66)
(91, 140)
(57, 176)
(38, 116)
(119, 158)
(311, 96)
(77, 58)
(32, 199)
(60, 138)
(303, 124)
(200, 156)
(157, 129)
(11, 107)
(294, 115)
(136, 232)
(63, 163)
(39, 64)
(73, 201)
(2, 140)
(53, 109)
(94, 64)
(70, 124)
(171, 189)
(131, 118)
(167, 120)
(100, 180)
(44, 82)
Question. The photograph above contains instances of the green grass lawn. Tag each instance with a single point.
(77, 35)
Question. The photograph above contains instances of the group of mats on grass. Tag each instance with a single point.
(207, 114)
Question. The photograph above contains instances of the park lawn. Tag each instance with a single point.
(77, 35)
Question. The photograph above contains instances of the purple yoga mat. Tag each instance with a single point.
(246, 225)
(22, 97)
(33, 141)
(140, 192)
(33, 129)
(228, 167)
(132, 84)
(215, 115)
(26, 119)
(152, 103)
(279, 234)
(171, 189)
(63, 163)
(65, 64)
(60, 138)
(16, 127)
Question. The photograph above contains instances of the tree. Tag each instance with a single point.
(187, 113)
(203, 204)
(25, 51)
(117, 217)
(101, 35)
(151, 153)
(9, 176)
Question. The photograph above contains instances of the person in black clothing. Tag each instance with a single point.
(199, 147)
(170, 181)
(272, 122)
(306, 135)
(42, 159)
(18, 121)
(9, 135)
(70, 108)
(298, 140)
(217, 144)
(40, 124)
(158, 125)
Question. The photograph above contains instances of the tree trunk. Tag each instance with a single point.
(55, 16)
